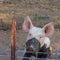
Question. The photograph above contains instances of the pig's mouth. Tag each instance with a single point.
(31, 49)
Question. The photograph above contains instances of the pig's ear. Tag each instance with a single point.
(27, 24)
(49, 29)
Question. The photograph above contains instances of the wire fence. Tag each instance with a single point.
(20, 53)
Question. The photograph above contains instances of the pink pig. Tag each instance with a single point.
(38, 39)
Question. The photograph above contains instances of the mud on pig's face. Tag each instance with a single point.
(32, 45)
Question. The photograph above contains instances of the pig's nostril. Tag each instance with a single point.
(31, 46)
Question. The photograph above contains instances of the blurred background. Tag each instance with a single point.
(41, 12)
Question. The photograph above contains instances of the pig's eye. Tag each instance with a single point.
(40, 37)
(29, 34)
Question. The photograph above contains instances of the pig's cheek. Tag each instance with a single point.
(37, 38)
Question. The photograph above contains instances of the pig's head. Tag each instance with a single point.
(37, 37)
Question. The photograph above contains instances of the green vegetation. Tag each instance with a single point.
(39, 17)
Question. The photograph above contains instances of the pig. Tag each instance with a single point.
(38, 39)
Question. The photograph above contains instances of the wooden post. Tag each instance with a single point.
(13, 40)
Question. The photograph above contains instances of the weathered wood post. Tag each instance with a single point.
(13, 40)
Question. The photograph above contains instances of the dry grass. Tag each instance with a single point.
(18, 10)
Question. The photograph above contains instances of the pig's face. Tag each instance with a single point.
(37, 37)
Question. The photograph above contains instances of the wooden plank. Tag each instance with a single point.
(13, 40)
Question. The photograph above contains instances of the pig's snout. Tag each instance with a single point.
(32, 45)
